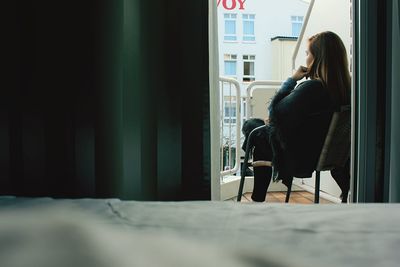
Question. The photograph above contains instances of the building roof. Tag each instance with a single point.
(292, 38)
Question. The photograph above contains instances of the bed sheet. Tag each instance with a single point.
(110, 232)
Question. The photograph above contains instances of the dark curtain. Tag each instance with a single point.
(376, 101)
(107, 99)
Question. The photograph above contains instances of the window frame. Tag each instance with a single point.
(296, 20)
(252, 19)
(230, 37)
(230, 58)
(230, 103)
(250, 59)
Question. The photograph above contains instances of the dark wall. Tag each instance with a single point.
(108, 99)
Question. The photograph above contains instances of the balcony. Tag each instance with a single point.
(235, 108)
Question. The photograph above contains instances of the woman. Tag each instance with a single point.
(300, 116)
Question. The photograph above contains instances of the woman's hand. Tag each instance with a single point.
(300, 73)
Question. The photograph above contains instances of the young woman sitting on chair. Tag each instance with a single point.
(299, 117)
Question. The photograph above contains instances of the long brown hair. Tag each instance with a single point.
(330, 65)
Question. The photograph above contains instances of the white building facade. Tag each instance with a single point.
(245, 30)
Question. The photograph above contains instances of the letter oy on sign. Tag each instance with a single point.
(231, 4)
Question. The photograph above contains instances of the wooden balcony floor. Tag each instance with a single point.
(297, 197)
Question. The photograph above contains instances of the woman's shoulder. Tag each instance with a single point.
(311, 83)
(310, 86)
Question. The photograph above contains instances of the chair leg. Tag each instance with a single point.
(289, 190)
(242, 177)
(243, 171)
(317, 185)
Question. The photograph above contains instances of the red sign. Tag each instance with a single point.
(232, 4)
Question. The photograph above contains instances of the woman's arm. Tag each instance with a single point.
(291, 106)
(288, 110)
(288, 86)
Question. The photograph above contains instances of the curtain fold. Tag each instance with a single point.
(394, 182)
(111, 99)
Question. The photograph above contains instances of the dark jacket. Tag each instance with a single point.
(299, 120)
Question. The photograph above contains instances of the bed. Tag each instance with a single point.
(110, 232)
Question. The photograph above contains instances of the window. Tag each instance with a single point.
(297, 23)
(230, 65)
(248, 68)
(248, 28)
(229, 109)
(230, 27)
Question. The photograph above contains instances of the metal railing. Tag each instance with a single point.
(230, 126)
(230, 133)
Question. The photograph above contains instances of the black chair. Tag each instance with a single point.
(335, 151)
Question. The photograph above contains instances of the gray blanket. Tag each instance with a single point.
(45, 232)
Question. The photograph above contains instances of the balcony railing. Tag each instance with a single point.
(230, 97)
(254, 104)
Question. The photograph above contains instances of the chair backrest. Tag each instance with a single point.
(336, 149)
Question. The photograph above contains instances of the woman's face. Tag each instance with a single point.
(309, 56)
